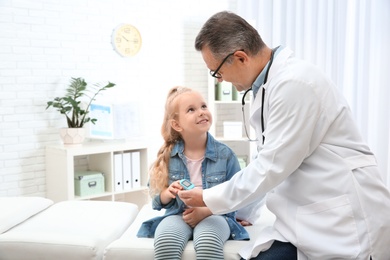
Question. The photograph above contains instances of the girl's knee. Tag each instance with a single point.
(209, 246)
(207, 238)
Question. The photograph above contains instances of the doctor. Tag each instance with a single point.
(321, 179)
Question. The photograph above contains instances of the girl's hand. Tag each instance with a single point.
(192, 216)
(170, 193)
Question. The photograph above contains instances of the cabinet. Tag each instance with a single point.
(63, 160)
(230, 111)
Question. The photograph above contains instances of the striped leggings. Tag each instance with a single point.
(172, 235)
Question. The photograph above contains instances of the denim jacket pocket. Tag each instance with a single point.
(175, 176)
(215, 179)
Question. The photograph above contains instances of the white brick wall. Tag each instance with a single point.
(45, 42)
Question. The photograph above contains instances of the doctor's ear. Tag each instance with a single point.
(241, 55)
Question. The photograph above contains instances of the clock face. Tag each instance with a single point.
(126, 40)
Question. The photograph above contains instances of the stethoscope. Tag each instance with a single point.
(262, 98)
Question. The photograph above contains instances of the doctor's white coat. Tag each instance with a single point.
(321, 179)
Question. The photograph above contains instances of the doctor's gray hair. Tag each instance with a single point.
(226, 32)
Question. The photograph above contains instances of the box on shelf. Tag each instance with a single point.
(235, 94)
(224, 91)
(242, 161)
(88, 183)
(232, 129)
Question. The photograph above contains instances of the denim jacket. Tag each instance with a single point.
(219, 165)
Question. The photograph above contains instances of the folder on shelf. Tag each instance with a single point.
(127, 182)
(136, 169)
(118, 172)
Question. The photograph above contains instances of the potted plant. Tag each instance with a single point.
(75, 107)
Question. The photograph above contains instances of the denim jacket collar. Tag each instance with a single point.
(211, 150)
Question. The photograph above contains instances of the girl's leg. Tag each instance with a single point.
(209, 237)
(170, 238)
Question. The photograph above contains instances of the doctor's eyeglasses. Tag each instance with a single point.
(215, 73)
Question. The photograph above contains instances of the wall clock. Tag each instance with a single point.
(126, 40)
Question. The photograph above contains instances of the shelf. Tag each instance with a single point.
(231, 111)
(104, 194)
(233, 102)
(223, 139)
(63, 160)
(95, 147)
(142, 188)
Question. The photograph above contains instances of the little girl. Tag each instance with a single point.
(189, 152)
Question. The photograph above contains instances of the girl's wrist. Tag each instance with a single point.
(164, 197)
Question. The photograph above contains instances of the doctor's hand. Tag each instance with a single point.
(192, 198)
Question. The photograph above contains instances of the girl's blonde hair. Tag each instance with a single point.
(158, 172)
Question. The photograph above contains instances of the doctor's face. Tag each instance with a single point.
(230, 70)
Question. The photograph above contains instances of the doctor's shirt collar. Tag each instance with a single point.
(260, 79)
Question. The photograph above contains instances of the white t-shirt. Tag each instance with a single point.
(195, 170)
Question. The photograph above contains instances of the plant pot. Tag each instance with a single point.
(72, 135)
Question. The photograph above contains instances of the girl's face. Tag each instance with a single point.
(194, 116)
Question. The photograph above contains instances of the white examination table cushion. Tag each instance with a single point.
(15, 210)
(68, 230)
(129, 246)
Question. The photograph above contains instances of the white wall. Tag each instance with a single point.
(43, 43)
(349, 40)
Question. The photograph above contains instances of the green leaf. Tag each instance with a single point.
(70, 104)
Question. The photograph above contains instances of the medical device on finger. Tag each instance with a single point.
(186, 184)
